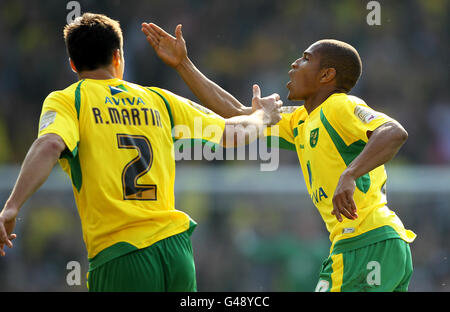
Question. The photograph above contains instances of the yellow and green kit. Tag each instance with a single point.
(327, 140)
(120, 157)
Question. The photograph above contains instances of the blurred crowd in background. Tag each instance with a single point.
(237, 43)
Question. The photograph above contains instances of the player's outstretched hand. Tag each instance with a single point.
(270, 105)
(171, 50)
(7, 223)
(343, 202)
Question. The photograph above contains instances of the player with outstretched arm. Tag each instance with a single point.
(114, 138)
(342, 145)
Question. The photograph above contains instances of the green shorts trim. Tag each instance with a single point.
(120, 249)
(167, 265)
(384, 266)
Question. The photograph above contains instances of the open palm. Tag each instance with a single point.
(171, 50)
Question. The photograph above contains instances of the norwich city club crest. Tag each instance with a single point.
(314, 137)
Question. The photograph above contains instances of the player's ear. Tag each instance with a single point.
(117, 58)
(72, 66)
(327, 74)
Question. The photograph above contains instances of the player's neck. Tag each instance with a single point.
(99, 73)
(314, 101)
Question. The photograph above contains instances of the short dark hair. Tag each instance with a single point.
(343, 58)
(91, 40)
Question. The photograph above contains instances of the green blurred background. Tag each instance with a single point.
(258, 231)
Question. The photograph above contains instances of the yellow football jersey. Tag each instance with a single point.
(327, 141)
(120, 157)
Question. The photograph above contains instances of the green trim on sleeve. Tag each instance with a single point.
(172, 124)
(73, 156)
(75, 167)
(78, 98)
(347, 152)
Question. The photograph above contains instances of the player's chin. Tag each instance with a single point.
(295, 94)
(291, 95)
(288, 86)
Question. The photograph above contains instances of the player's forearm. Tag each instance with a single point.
(383, 145)
(36, 168)
(241, 130)
(209, 93)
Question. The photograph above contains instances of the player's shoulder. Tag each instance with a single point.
(300, 115)
(172, 98)
(134, 87)
(339, 103)
(354, 100)
(166, 94)
(66, 94)
(293, 115)
(344, 98)
(159, 90)
(293, 111)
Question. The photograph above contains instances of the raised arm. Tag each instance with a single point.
(384, 143)
(240, 130)
(172, 51)
(39, 162)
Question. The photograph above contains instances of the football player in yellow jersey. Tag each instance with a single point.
(115, 139)
(342, 145)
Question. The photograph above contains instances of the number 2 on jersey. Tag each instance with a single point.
(137, 167)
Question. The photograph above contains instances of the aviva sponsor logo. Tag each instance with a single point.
(318, 194)
(124, 101)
